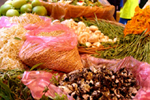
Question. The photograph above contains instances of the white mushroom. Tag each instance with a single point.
(103, 40)
(97, 44)
(69, 23)
(101, 36)
(110, 40)
(93, 46)
(106, 37)
(93, 28)
(82, 38)
(97, 32)
(73, 22)
(93, 38)
(87, 29)
(88, 44)
(81, 25)
(115, 39)
(78, 31)
(56, 21)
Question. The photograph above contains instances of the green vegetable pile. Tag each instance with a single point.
(138, 46)
(87, 3)
(11, 87)
(135, 45)
(19, 7)
(81, 2)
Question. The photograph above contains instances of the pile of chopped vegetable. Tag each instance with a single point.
(79, 2)
(135, 45)
(86, 3)
(140, 21)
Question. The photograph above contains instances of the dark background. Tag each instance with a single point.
(116, 3)
(2, 2)
(142, 3)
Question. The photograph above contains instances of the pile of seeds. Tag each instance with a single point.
(99, 84)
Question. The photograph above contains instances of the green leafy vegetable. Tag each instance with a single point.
(58, 97)
(11, 87)
(55, 79)
(35, 66)
(137, 46)
(17, 38)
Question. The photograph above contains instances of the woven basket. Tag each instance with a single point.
(64, 61)
(114, 22)
(61, 10)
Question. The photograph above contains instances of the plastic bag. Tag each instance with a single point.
(61, 10)
(38, 81)
(5, 22)
(55, 52)
(141, 70)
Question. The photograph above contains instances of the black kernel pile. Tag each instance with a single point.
(99, 84)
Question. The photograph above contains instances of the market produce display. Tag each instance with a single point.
(18, 7)
(55, 46)
(78, 2)
(11, 86)
(100, 84)
(139, 23)
(63, 10)
(140, 71)
(12, 38)
(131, 40)
(90, 36)
(135, 41)
(93, 35)
(68, 56)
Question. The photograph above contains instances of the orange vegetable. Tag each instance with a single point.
(139, 22)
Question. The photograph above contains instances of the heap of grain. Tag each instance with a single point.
(11, 40)
(54, 46)
(26, 19)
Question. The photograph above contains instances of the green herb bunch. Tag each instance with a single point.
(11, 87)
(135, 45)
